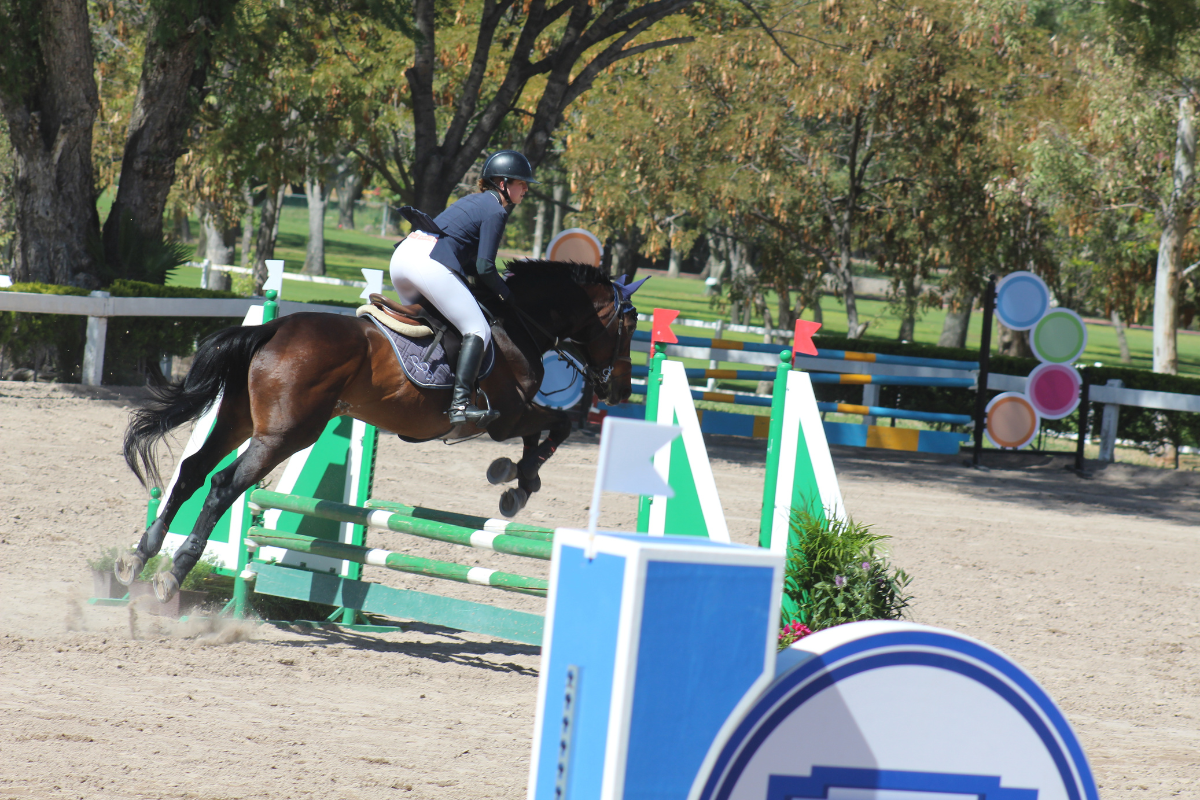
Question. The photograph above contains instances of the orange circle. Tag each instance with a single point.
(1011, 421)
(577, 246)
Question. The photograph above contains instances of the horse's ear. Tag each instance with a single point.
(627, 289)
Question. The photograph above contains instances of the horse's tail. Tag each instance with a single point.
(221, 365)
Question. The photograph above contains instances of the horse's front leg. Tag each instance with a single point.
(535, 454)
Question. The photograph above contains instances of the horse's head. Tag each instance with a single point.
(608, 352)
(582, 305)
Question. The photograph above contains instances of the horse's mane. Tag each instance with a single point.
(539, 270)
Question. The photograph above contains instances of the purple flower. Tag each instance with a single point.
(866, 565)
(838, 580)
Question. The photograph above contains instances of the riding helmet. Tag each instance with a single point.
(508, 164)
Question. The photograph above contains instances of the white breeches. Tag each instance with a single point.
(415, 275)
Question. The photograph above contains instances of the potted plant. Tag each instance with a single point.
(104, 582)
(190, 596)
(837, 571)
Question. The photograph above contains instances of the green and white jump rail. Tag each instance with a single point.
(400, 562)
(518, 542)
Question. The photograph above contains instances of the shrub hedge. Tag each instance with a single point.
(54, 343)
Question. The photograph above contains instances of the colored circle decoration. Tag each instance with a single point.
(562, 386)
(1053, 390)
(1021, 300)
(1059, 337)
(577, 245)
(1011, 420)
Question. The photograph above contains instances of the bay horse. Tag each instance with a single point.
(280, 383)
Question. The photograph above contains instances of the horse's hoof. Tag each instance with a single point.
(502, 470)
(128, 567)
(165, 586)
(512, 501)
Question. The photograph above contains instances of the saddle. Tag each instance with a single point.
(418, 321)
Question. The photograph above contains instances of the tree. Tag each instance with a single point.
(173, 84)
(1164, 40)
(48, 98)
(470, 70)
(826, 131)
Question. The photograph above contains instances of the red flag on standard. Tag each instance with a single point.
(660, 327)
(802, 339)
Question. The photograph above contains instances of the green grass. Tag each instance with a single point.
(348, 252)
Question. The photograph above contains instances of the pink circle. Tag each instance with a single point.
(1053, 389)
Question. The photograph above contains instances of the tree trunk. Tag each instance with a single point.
(1012, 343)
(219, 237)
(1122, 342)
(539, 230)
(171, 88)
(314, 254)
(268, 231)
(908, 325)
(1176, 219)
(560, 199)
(674, 257)
(718, 262)
(958, 319)
(349, 191)
(50, 112)
(247, 225)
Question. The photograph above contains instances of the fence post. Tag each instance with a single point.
(870, 398)
(1084, 406)
(205, 274)
(713, 363)
(1108, 426)
(93, 351)
(985, 352)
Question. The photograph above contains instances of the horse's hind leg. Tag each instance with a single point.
(231, 428)
(262, 456)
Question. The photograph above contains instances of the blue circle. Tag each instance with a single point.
(1021, 300)
(562, 386)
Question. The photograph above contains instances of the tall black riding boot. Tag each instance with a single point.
(470, 357)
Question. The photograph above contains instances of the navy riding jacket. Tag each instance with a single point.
(474, 228)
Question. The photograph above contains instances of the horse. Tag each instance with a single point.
(280, 383)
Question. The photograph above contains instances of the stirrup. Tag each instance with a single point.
(480, 417)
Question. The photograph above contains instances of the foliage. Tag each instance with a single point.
(838, 572)
(792, 633)
(47, 343)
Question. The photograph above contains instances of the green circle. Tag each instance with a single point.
(1059, 337)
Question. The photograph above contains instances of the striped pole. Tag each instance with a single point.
(392, 521)
(847, 378)
(466, 520)
(400, 562)
(840, 408)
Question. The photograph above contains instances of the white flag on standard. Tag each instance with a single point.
(626, 449)
(374, 279)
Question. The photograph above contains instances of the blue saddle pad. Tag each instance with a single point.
(436, 372)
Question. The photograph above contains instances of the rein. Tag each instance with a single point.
(588, 373)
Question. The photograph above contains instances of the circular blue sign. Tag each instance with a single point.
(875, 707)
(1021, 300)
(562, 387)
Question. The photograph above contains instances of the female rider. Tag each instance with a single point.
(436, 266)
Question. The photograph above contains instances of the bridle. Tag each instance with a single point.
(621, 307)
